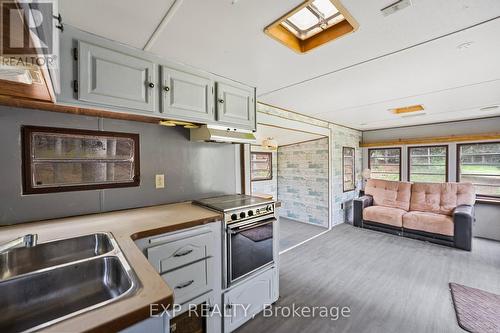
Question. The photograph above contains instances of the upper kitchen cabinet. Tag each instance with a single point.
(187, 96)
(236, 105)
(115, 79)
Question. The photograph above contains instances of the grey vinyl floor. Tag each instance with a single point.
(293, 232)
(389, 283)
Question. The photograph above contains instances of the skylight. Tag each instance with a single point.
(312, 24)
(317, 16)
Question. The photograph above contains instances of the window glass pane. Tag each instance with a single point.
(348, 168)
(385, 163)
(325, 7)
(304, 19)
(428, 164)
(59, 146)
(480, 164)
(80, 173)
(261, 167)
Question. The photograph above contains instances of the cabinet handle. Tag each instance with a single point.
(221, 101)
(151, 85)
(184, 285)
(166, 88)
(182, 254)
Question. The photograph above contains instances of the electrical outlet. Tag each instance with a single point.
(160, 181)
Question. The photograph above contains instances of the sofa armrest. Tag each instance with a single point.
(360, 204)
(463, 217)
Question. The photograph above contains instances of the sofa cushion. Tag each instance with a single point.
(441, 198)
(389, 193)
(385, 215)
(429, 222)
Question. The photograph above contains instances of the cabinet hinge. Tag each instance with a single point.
(75, 86)
(75, 54)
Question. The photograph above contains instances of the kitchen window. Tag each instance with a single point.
(385, 163)
(59, 160)
(479, 163)
(348, 168)
(428, 164)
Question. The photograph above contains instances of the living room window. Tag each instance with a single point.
(385, 163)
(428, 164)
(348, 168)
(60, 159)
(479, 163)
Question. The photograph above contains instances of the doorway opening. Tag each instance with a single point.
(292, 167)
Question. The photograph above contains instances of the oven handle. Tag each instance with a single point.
(236, 230)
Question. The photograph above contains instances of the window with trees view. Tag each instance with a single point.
(385, 163)
(428, 164)
(348, 168)
(479, 163)
(58, 159)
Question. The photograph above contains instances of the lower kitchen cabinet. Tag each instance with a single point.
(249, 298)
(159, 324)
(190, 263)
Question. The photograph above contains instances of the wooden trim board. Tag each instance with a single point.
(431, 140)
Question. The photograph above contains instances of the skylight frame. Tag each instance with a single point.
(303, 41)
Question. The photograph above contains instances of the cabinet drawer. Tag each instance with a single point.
(169, 256)
(189, 281)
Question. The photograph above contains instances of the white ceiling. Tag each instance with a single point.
(283, 136)
(341, 81)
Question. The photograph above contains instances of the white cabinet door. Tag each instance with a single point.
(187, 96)
(112, 78)
(248, 299)
(235, 106)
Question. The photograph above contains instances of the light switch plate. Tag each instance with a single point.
(160, 181)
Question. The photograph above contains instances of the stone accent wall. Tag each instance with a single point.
(303, 181)
(344, 137)
(267, 186)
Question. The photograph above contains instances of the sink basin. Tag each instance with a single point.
(32, 301)
(28, 259)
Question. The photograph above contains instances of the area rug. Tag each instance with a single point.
(477, 311)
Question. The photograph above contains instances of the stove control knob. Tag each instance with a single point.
(250, 213)
(270, 208)
(234, 217)
(242, 215)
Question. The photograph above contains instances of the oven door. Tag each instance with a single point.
(250, 247)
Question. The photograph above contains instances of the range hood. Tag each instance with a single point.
(220, 134)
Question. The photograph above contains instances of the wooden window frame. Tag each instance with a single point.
(385, 148)
(353, 169)
(495, 198)
(270, 161)
(430, 146)
(26, 147)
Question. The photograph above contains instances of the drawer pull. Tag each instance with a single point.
(184, 285)
(182, 254)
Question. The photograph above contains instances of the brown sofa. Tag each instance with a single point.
(437, 212)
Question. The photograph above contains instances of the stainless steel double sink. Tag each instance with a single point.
(54, 281)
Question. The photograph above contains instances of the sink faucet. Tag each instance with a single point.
(28, 240)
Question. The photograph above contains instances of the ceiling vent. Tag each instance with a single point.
(409, 111)
(395, 7)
